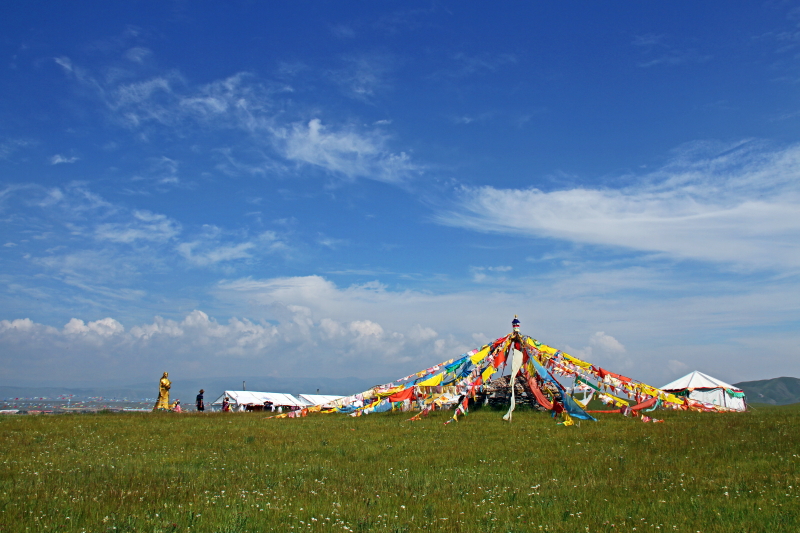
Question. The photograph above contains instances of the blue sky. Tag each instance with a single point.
(368, 188)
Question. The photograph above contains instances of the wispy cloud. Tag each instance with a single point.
(734, 206)
(64, 62)
(363, 75)
(138, 54)
(10, 146)
(467, 65)
(343, 31)
(345, 152)
(330, 242)
(242, 102)
(481, 274)
(214, 246)
(58, 159)
(657, 50)
(143, 226)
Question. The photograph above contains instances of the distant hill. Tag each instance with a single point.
(777, 391)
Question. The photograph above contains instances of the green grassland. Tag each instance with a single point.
(231, 473)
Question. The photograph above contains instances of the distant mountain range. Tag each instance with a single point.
(776, 391)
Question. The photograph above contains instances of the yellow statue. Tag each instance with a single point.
(163, 393)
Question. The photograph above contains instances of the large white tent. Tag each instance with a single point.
(240, 399)
(704, 388)
(319, 399)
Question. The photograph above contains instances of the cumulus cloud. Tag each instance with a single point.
(603, 349)
(106, 327)
(736, 206)
(295, 345)
(677, 367)
(606, 343)
(310, 326)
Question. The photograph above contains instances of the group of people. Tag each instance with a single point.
(199, 403)
(163, 403)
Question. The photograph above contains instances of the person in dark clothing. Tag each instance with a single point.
(199, 401)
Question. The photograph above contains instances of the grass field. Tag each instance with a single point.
(231, 473)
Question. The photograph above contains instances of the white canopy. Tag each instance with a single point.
(703, 388)
(698, 380)
(319, 399)
(247, 397)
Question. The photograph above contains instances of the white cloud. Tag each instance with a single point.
(310, 326)
(213, 246)
(138, 54)
(64, 62)
(603, 350)
(58, 159)
(363, 75)
(482, 63)
(8, 147)
(216, 254)
(606, 343)
(243, 103)
(657, 51)
(106, 327)
(738, 206)
(420, 334)
(331, 243)
(677, 367)
(482, 274)
(344, 152)
(144, 226)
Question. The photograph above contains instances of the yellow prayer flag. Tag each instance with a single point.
(487, 373)
(576, 361)
(432, 382)
(480, 356)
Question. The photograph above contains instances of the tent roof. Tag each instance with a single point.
(697, 380)
(319, 399)
(248, 397)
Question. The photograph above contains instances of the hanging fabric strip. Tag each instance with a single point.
(516, 364)
(432, 382)
(537, 393)
(572, 408)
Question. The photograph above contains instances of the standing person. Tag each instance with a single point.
(226, 406)
(199, 401)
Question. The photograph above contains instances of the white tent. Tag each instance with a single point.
(240, 399)
(319, 399)
(703, 388)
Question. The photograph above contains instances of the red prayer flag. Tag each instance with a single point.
(407, 394)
